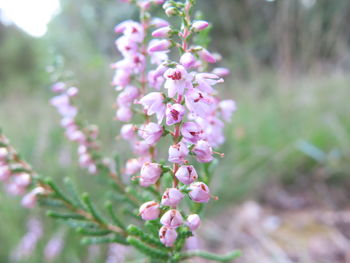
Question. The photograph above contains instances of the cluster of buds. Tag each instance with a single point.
(185, 105)
(85, 137)
(17, 175)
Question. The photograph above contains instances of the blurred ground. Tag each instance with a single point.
(295, 225)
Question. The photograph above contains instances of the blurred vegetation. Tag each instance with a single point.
(290, 61)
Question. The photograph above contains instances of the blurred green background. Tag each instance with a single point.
(290, 62)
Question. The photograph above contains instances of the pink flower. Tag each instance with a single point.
(203, 151)
(172, 218)
(155, 81)
(159, 22)
(177, 80)
(134, 31)
(174, 113)
(72, 91)
(172, 197)
(206, 81)
(150, 173)
(124, 114)
(191, 132)
(151, 133)
(213, 130)
(159, 45)
(132, 166)
(178, 153)
(29, 200)
(227, 107)
(5, 172)
(140, 147)
(206, 56)
(199, 25)
(199, 103)
(186, 174)
(149, 211)
(161, 32)
(127, 96)
(126, 47)
(22, 179)
(193, 222)
(153, 103)
(167, 236)
(58, 87)
(121, 78)
(199, 192)
(127, 131)
(188, 60)
(221, 72)
(3, 154)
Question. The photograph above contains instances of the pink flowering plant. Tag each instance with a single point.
(166, 99)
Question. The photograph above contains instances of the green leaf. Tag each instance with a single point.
(149, 251)
(92, 232)
(54, 214)
(145, 237)
(74, 196)
(207, 255)
(58, 192)
(101, 240)
(113, 215)
(92, 209)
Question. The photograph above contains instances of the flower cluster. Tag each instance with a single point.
(185, 104)
(85, 137)
(16, 175)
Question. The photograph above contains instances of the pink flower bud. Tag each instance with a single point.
(172, 218)
(127, 131)
(172, 197)
(174, 113)
(5, 172)
(151, 133)
(132, 166)
(199, 192)
(167, 236)
(188, 60)
(158, 2)
(160, 45)
(203, 151)
(178, 153)
(129, 94)
(161, 32)
(206, 56)
(140, 148)
(153, 103)
(221, 72)
(150, 173)
(186, 174)
(85, 160)
(29, 200)
(3, 154)
(159, 22)
(149, 211)
(124, 114)
(22, 179)
(72, 91)
(58, 87)
(92, 168)
(227, 108)
(193, 222)
(192, 132)
(199, 25)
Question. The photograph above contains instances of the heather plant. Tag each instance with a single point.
(166, 98)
